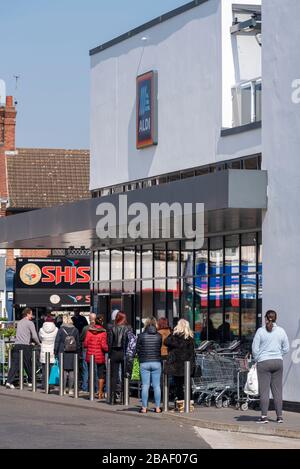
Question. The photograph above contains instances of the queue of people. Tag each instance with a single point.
(155, 344)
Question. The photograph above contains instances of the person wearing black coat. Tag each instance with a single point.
(118, 337)
(148, 349)
(67, 329)
(181, 348)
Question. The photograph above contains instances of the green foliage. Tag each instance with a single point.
(3, 319)
(7, 333)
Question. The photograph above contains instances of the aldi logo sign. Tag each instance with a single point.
(146, 110)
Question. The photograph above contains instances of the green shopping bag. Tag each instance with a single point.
(136, 373)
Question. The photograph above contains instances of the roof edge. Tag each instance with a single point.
(148, 25)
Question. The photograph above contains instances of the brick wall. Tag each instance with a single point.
(34, 253)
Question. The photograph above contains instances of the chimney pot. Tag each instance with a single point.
(9, 101)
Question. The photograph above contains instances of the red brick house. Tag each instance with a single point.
(32, 179)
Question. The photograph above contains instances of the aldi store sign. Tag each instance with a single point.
(146, 111)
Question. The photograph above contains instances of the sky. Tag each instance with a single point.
(46, 43)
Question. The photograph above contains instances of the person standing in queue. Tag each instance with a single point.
(84, 364)
(148, 349)
(67, 342)
(269, 346)
(118, 337)
(95, 343)
(47, 335)
(26, 334)
(181, 348)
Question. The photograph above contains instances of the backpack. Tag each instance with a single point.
(70, 343)
(131, 345)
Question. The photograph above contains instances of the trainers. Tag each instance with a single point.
(29, 385)
(262, 420)
(279, 420)
(71, 393)
(10, 386)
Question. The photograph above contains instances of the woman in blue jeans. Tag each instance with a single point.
(148, 349)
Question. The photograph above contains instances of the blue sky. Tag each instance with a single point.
(47, 43)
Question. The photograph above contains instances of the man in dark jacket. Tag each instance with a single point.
(149, 352)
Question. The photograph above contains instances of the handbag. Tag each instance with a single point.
(251, 386)
(136, 372)
(54, 374)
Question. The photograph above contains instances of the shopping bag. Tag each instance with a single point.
(54, 374)
(136, 373)
(251, 386)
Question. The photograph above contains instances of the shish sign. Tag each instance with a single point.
(146, 110)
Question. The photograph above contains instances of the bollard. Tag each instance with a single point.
(165, 388)
(47, 372)
(92, 376)
(187, 386)
(9, 357)
(125, 386)
(108, 381)
(21, 369)
(33, 370)
(76, 395)
(61, 374)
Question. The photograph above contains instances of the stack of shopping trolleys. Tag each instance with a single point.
(220, 376)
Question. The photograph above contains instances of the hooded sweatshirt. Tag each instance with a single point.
(47, 335)
(95, 343)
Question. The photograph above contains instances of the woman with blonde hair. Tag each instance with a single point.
(181, 348)
(67, 342)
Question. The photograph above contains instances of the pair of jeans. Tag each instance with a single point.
(85, 373)
(150, 374)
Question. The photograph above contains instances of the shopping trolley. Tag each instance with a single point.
(214, 379)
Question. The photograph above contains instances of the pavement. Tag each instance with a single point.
(210, 418)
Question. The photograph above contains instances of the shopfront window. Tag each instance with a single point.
(147, 261)
(173, 259)
(248, 251)
(160, 298)
(216, 256)
(248, 306)
(160, 264)
(231, 327)
(116, 264)
(201, 308)
(187, 261)
(232, 255)
(129, 263)
(218, 288)
(104, 263)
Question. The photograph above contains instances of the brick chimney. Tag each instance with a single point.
(7, 143)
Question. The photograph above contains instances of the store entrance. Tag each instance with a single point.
(123, 302)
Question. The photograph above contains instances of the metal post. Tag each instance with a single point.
(187, 386)
(21, 369)
(92, 377)
(76, 376)
(33, 370)
(47, 372)
(61, 374)
(165, 388)
(9, 357)
(108, 381)
(125, 381)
